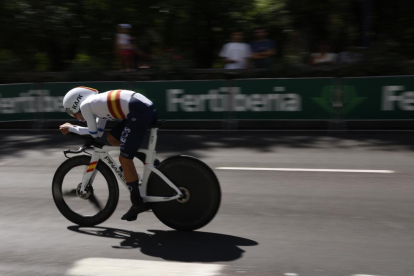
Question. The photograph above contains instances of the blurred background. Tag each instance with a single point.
(82, 39)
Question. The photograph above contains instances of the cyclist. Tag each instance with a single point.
(137, 114)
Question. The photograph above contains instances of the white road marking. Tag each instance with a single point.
(303, 170)
(364, 275)
(124, 267)
(291, 274)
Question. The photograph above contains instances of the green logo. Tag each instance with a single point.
(331, 100)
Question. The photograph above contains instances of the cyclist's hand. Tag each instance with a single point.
(65, 128)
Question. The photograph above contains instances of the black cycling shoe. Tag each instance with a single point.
(138, 205)
(133, 212)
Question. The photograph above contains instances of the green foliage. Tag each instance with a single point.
(85, 63)
(53, 35)
(8, 61)
(42, 62)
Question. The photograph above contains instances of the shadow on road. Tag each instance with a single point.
(175, 245)
(191, 143)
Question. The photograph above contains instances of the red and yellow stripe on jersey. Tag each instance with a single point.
(94, 90)
(91, 166)
(114, 104)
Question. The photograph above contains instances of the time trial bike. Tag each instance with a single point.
(182, 191)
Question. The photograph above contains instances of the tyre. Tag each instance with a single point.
(101, 199)
(200, 185)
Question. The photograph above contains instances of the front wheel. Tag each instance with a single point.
(97, 204)
(197, 182)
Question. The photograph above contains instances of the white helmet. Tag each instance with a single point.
(74, 98)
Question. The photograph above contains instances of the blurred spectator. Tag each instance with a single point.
(141, 59)
(350, 55)
(323, 57)
(124, 48)
(263, 49)
(236, 54)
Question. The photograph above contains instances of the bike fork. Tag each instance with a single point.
(90, 173)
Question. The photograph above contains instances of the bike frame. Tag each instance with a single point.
(102, 155)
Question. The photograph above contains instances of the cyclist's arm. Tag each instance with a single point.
(101, 126)
(92, 128)
(79, 130)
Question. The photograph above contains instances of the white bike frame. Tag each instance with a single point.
(102, 155)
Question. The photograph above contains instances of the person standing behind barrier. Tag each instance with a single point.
(323, 57)
(263, 49)
(139, 56)
(351, 55)
(123, 47)
(236, 54)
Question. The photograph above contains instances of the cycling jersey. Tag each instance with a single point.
(111, 105)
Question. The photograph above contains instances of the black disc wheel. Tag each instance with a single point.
(90, 208)
(200, 187)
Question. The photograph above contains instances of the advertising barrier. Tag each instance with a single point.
(380, 98)
(23, 102)
(187, 100)
(41, 101)
(287, 99)
(308, 99)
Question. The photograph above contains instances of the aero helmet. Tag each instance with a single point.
(74, 98)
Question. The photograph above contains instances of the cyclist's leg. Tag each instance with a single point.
(139, 120)
(115, 134)
(112, 140)
(131, 139)
(130, 173)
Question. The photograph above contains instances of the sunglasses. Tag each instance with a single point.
(70, 112)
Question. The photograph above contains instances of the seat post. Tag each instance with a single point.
(149, 159)
(152, 139)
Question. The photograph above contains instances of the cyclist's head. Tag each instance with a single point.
(74, 98)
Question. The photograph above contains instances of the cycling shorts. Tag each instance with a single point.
(131, 132)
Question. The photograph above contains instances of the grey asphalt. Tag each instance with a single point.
(269, 223)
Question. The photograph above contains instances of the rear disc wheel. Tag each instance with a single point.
(200, 187)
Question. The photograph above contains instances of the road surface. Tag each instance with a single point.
(333, 204)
